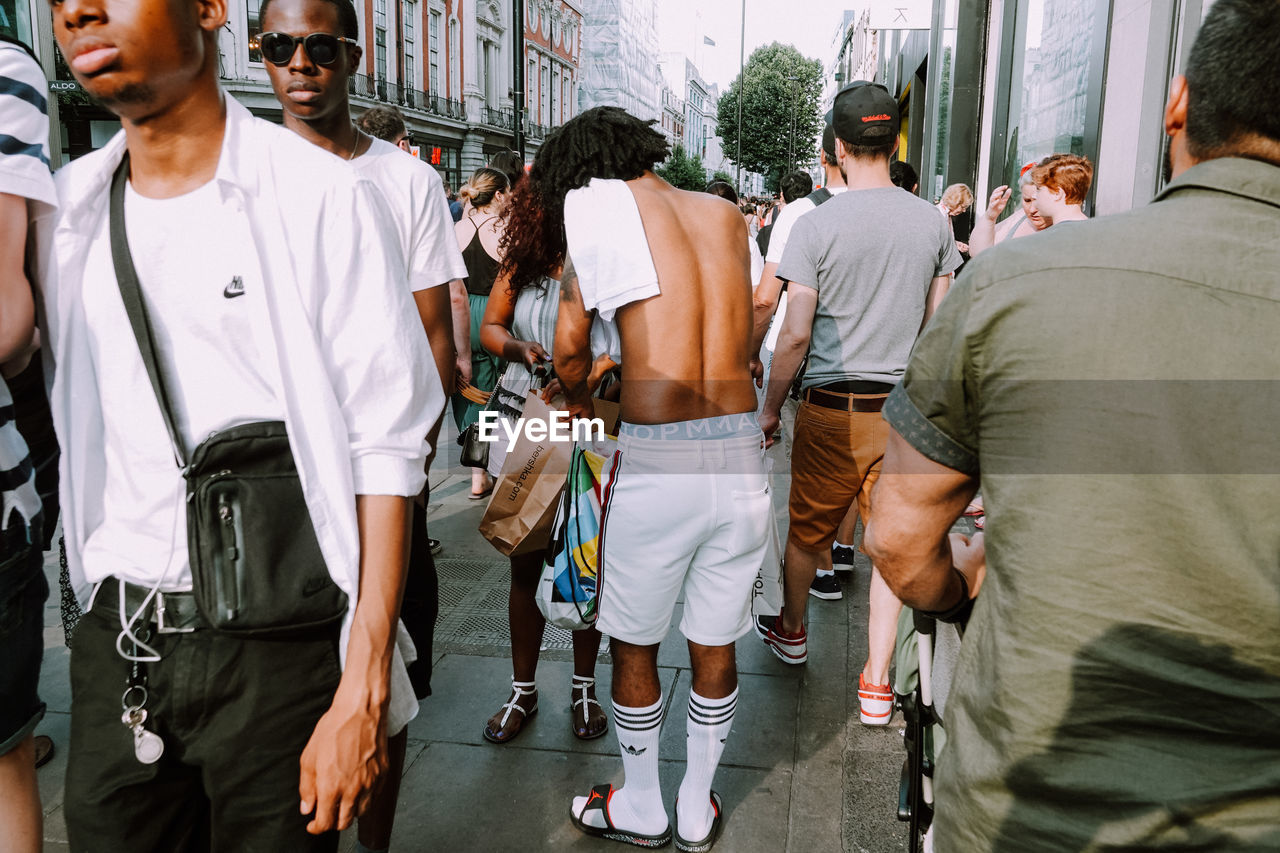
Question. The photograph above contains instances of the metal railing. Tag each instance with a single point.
(501, 118)
(376, 89)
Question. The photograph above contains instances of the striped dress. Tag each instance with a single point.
(24, 171)
(536, 310)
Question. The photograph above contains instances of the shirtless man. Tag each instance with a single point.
(687, 496)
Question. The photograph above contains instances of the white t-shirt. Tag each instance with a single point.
(415, 194)
(195, 259)
(757, 262)
(778, 237)
(783, 222)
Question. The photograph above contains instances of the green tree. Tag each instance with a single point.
(683, 172)
(723, 176)
(781, 93)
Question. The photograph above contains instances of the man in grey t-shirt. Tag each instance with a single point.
(866, 271)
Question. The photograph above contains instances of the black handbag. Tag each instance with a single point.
(256, 564)
(475, 453)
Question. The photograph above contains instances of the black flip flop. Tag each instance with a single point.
(707, 843)
(599, 799)
(44, 750)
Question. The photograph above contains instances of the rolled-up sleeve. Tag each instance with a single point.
(378, 359)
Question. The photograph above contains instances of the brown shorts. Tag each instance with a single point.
(835, 460)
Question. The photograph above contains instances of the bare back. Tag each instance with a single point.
(685, 352)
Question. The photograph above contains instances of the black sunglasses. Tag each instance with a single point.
(324, 49)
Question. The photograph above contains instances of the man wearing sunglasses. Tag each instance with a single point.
(311, 51)
(274, 286)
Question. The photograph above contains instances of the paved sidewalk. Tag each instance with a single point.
(799, 773)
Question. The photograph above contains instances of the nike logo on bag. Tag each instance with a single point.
(631, 750)
(234, 289)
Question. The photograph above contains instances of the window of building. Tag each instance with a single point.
(433, 44)
(455, 58)
(544, 115)
(253, 26)
(1055, 83)
(554, 119)
(15, 20)
(530, 85)
(408, 41)
(380, 39)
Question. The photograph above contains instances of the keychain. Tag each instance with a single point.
(147, 746)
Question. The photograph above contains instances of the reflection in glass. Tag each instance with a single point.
(254, 28)
(933, 175)
(1049, 94)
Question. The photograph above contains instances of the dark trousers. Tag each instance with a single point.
(23, 590)
(421, 605)
(234, 713)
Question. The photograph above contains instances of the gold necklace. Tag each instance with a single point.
(356, 147)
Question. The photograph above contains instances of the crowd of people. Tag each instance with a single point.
(242, 346)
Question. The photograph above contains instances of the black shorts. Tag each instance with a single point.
(23, 590)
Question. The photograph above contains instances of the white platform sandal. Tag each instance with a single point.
(519, 690)
(581, 685)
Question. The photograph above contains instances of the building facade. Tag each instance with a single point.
(446, 64)
(997, 84)
(620, 41)
(672, 123)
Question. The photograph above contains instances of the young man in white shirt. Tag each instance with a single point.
(312, 91)
(273, 283)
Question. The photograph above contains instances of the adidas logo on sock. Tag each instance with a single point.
(631, 750)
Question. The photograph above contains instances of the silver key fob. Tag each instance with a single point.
(147, 746)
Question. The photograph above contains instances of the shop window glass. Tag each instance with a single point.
(253, 25)
(1049, 103)
(15, 21)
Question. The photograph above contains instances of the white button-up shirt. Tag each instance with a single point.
(334, 321)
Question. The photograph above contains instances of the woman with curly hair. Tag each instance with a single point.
(519, 327)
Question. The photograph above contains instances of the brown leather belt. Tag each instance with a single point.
(845, 402)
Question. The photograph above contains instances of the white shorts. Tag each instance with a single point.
(682, 515)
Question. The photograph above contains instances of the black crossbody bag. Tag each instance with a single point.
(256, 564)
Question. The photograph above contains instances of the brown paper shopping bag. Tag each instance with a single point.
(522, 508)
(523, 505)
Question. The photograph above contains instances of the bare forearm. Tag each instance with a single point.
(937, 292)
(983, 236)
(764, 303)
(919, 571)
(574, 371)
(786, 363)
(383, 522)
(461, 310)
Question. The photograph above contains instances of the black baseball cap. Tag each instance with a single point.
(865, 114)
(829, 136)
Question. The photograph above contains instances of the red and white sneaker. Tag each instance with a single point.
(875, 703)
(790, 648)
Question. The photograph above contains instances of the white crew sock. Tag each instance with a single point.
(637, 806)
(822, 573)
(709, 723)
(841, 545)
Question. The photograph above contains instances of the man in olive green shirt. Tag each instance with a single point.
(1115, 385)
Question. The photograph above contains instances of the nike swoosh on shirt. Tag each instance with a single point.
(234, 289)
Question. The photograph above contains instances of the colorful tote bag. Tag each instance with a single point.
(567, 588)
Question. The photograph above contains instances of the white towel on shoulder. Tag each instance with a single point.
(607, 244)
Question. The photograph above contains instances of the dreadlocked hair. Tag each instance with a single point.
(603, 142)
